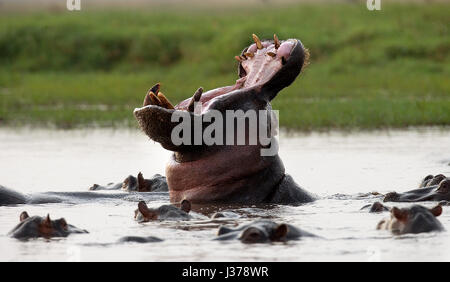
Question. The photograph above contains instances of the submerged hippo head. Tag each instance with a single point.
(223, 170)
(431, 180)
(415, 219)
(435, 189)
(139, 184)
(262, 231)
(164, 212)
(36, 226)
(376, 207)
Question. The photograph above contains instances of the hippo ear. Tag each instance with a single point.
(186, 206)
(400, 214)
(146, 212)
(436, 211)
(426, 180)
(24, 215)
(280, 232)
(141, 183)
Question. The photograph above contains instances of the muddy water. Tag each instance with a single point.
(335, 166)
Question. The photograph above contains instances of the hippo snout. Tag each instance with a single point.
(391, 197)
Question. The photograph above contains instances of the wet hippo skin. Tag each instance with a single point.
(206, 173)
(435, 188)
(37, 226)
(375, 207)
(164, 212)
(262, 231)
(414, 219)
(157, 184)
(139, 239)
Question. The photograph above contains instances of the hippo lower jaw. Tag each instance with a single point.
(228, 173)
(243, 177)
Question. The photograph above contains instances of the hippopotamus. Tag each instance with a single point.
(139, 239)
(131, 184)
(157, 183)
(376, 207)
(164, 212)
(435, 188)
(37, 226)
(205, 172)
(415, 219)
(431, 180)
(262, 231)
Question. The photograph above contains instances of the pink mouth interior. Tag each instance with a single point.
(258, 68)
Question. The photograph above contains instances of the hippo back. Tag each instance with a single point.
(10, 197)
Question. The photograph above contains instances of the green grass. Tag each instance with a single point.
(368, 69)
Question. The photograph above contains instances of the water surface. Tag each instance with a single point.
(328, 164)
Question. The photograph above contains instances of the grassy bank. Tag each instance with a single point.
(368, 69)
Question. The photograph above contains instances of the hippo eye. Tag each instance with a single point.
(63, 223)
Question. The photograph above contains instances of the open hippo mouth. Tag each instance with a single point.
(202, 172)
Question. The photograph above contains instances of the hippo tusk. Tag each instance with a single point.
(195, 98)
(165, 102)
(147, 100)
(249, 54)
(257, 41)
(272, 54)
(154, 99)
(276, 41)
(239, 58)
(155, 89)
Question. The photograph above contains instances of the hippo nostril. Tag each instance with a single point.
(251, 235)
(378, 207)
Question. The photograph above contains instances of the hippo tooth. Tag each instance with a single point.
(276, 41)
(147, 100)
(249, 54)
(257, 41)
(155, 89)
(272, 54)
(154, 99)
(198, 94)
(164, 101)
(195, 98)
